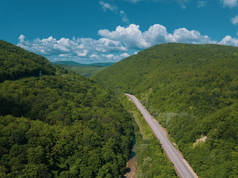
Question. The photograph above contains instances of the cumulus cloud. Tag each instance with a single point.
(115, 44)
(130, 36)
(229, 3)
(21, 38)
(157, 33)
(228, 40)
(190, 36)
(234, 20)
(133, 37)
(81, 49)
(124, 55)
(82, 53)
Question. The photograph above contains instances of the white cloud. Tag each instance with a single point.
(82, 53)
(124, 55)
(94, 56)
(116, 44)
(107, 6)
(157, 33)
(185, 36)
(133, 37)
(81, 49)
(182, 3)
(108, 45)
(130, 36)
(234, 20)
(112, 57)
(124, 16)
(230, 3)
(64, 55)
(21, 38)
(228, 40)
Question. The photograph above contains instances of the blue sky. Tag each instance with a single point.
(89, 31)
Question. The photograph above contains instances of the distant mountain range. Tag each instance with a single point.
(73, 63)
(86, 70)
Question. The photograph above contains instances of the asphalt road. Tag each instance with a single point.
(183, 169)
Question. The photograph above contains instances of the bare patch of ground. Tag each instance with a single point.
(200, 140)
(132, 167)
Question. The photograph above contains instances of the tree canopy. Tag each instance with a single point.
(16, 63)
(193, 91)
(59, 124)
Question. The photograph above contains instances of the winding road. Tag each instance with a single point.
(183, 169)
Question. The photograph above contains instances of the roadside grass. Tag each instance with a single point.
(150, 158)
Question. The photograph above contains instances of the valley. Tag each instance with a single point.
(181, 166)
(119, 89)
(85, 126)
(192, 91)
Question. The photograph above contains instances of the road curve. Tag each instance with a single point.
(183, 169)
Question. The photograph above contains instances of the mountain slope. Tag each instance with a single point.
(59, 124)
(192, 90)
(16, 63)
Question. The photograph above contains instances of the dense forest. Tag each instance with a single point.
(16, 63)
(193, 91)
(55, 123)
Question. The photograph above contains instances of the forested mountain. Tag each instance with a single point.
(58, 124)
(193, 91)
(16, 63)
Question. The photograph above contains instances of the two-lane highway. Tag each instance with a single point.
(181, 166)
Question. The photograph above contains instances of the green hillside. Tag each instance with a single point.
(16, 63)
(193, 91)
(86, 70)
(59, 124)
